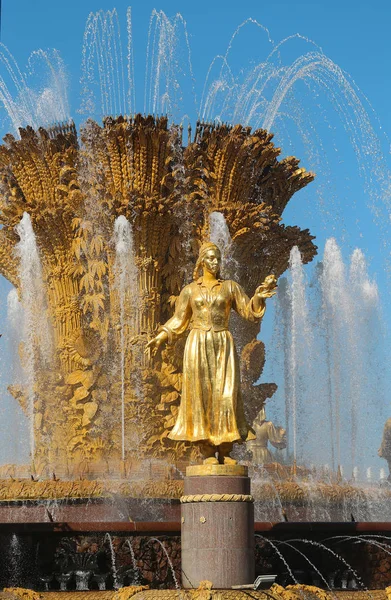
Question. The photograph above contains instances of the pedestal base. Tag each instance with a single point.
(217, 528)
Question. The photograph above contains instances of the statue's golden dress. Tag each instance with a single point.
(211, 407)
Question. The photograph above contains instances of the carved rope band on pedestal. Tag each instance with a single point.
(217, 498)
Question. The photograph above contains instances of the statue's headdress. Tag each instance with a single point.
(203, 250)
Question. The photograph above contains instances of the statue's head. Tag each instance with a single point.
(209, 259)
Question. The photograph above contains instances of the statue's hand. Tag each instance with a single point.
(268, 288)
(266, 293)
(153, 346)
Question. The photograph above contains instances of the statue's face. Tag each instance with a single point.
(212, 261)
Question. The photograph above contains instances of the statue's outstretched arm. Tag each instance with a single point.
(267, 289)
(253, 309)
(175, 326)
(277, 436)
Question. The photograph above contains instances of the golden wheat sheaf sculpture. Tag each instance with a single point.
(73, 190)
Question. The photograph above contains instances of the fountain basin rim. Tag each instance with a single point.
(174, 527)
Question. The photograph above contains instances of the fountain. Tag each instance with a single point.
(101, 228)
(94, 361)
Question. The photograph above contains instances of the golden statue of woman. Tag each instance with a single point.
(211, 409)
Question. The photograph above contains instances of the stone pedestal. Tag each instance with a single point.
(217, 526)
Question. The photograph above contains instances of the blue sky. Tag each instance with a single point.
(353, 34)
